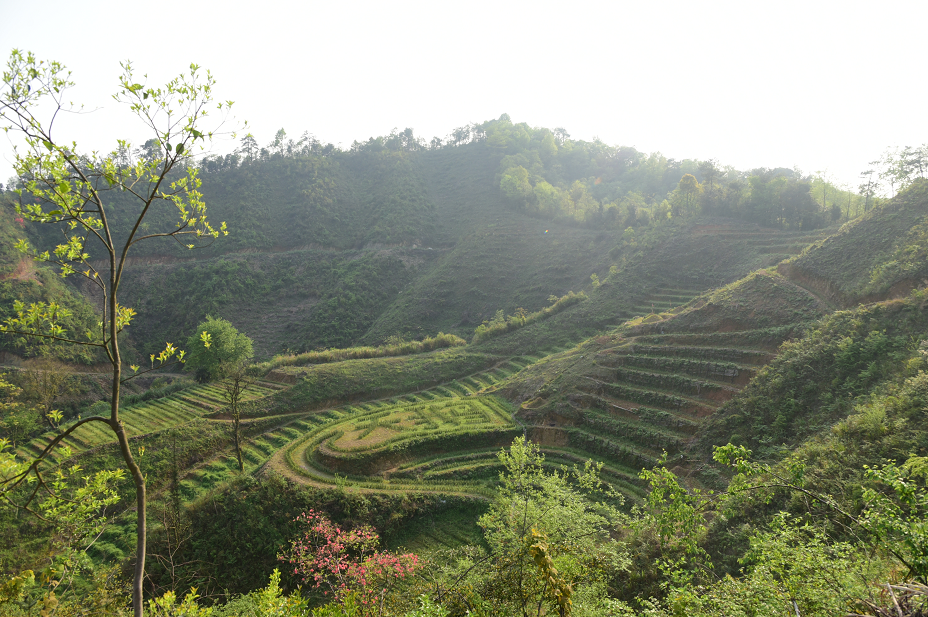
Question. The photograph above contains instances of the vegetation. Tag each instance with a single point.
(437, 425)
(65, 189)
(216, 349)
(220, 352)
(500, 324)
(24, 280)
(388, 349)
(819, 379)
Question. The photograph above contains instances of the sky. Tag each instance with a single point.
(826, 86)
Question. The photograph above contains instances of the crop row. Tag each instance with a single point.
(652, 398)
(390, 454)
(681, 384)
(304, 467)
(761, 342)
(148, 416)
(484, 464)
(648, 415)
(630, 455)
(697, 353)
(707, 369)
(634, 431)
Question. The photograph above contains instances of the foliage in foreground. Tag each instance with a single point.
(554, 546)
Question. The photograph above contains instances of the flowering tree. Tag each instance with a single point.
(347, 562)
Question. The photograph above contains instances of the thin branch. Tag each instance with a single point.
(50, 336)
(117, 275)
(177, 232)
(148, 370)
(54, 442)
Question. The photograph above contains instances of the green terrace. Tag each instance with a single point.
(152, 416)
(449, 409)
(375, 441)
(662, 300)
(640, 396)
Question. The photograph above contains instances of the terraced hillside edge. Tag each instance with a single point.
(626, 396)
(880, 255)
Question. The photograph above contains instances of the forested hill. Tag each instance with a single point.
(397, 237)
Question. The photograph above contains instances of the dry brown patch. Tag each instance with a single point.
(545, 436)
(24, 271)
(378, 435)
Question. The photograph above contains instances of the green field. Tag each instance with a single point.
(152, 416)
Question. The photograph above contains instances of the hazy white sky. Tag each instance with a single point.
(823, 85)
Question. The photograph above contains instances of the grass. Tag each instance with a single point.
(402, 348)
(152, 416)
(869, 255)
(502, 325)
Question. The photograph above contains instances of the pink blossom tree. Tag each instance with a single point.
(347, 562)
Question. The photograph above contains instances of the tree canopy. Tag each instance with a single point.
(217, 347)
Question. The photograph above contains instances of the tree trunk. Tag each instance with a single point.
(141, 533)
(141, 536)
(238, 445)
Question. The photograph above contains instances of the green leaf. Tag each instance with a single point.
(180, 148)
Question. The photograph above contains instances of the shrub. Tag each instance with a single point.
(394, 346)
(502, 324)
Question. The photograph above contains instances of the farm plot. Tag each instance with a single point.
(650, 393)
(150, 416)
(366, 445)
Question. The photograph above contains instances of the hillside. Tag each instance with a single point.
(699, 372)
(879, 255)
(397, 240)
(23, 280)
(639, 338)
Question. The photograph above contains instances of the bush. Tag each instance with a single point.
(393, 346)
(501, 324)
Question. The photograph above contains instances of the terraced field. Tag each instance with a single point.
(365, 444)
(627, 399)
(643, 395)
(657, 388)
(649, 394)
(444, 439)
(767, 241)
(455, 406)
(664, 299)
(670, 294)
(155, 415)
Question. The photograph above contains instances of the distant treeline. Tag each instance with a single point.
(546, 173)
(294, 192)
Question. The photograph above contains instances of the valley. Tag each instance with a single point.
(417, 314)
